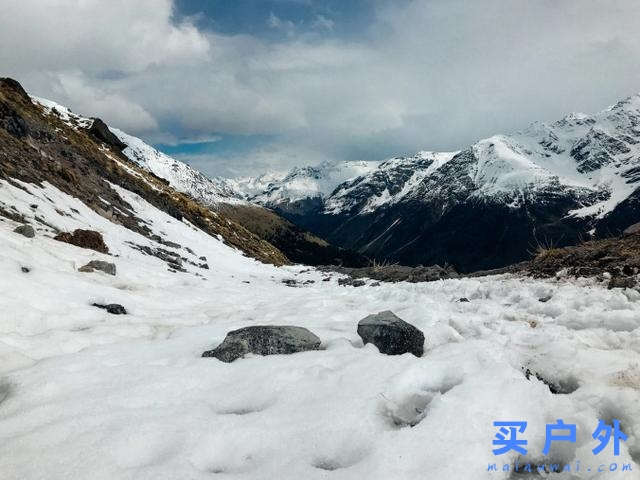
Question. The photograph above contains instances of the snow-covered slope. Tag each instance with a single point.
(180, 176)
(85, 394)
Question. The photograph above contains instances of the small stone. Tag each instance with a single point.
(112, 308)
(25, 230)
(25, 269)
(463, 300)
(545, 299)
(264, 340)
(391, 334)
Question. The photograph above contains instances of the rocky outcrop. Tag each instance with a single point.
(100, 131)
(25, 230)
(617, 257)
(391, 334)
(264, 340)
(84, 239)
(93, 265)
(395, 273)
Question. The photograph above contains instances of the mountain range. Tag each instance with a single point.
(485, 206)
(488, 205)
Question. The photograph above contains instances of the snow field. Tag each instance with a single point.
(85, 394)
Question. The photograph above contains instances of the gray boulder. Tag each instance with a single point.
(264, 340)
(25, 230)
(392, 335)
(106, 267)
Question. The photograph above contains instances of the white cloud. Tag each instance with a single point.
(427, 74)
(287, 26)
(323, 23)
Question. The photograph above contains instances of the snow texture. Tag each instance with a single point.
(85, 394)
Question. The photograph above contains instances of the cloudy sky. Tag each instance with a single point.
(237, 87)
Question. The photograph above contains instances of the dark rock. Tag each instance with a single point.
(264, 340)
(203, 258)
(545, 299)
(14, 85)
(632, 230)
(622, 282)
(396, 273)
(392, 335)
(463, 300)
(106, 267)
(84, 239)
(351, 282)
(290, 282)
(112, 308)
(25, 230)
(25, 269)
(101, 132)
(204, 266)
(12, 122)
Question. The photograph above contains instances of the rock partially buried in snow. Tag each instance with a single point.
(106, 267)
(112, 308)
(391, 334)
(25, 230)
(264, 340)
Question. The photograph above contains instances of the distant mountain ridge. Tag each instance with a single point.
(489, 204)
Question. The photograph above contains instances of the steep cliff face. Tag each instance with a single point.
(44, 143)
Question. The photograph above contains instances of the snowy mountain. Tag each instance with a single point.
(301, 187)
(86, 393)
(220, 195)
(180, 176)
(550, 184)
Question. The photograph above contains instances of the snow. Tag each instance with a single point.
(85, 394)
(301, 183)
(539, 159)
(182, 177)
(65, 114)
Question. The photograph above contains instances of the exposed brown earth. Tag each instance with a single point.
(299, 245)
(618, 257)
(84, 239)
